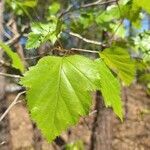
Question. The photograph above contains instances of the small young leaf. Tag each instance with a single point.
(119, 60)
(54, 8)
(110, 88)
(77, 145)
(16, 61)
(63, 95)
(33, 41)
(29, 3)
(43, 32)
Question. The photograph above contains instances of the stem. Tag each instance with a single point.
(96, 3)
(84, 50)
(9, 75)
(11, 105)
(85, 39)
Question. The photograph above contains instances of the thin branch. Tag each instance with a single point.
(31, 58)
(93, 112)
(4, 63)
(112, 37)
(9, 75)
(37, 56)
(66, 11)
(86, 40)
(13, 40)
(96, 3)
(84, 50)
(11, 105)
(99, 2)
(2, 143)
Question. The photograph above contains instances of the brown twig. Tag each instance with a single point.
(9, 75)
(96, 3)
(99, 2)
(11, 105)
(84, 50)
(86, 40)
(5, 63)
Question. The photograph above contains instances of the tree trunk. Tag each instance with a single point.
(102, 127)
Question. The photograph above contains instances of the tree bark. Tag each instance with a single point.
(102, 127)
(101, 138)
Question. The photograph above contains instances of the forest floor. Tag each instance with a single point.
(18, 133)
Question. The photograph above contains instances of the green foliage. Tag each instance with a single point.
(59, 88)
(77, 145)
(145, 78)
(144, 4)
(142, 45)
(54, 8)
(82, 22)
(132, 13)
(16, 61)
(110, 88)
(119, 61)
(63, 94)
(43, 32)
(21, 7)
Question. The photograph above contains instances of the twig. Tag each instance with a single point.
(66, 11)
(11, 105)
(86, 40)
(112, 37)
(84, 50)
(93, 112)
(31, 58)
(99, 2)
(9, 75)
(5, 63)
(2, 143)
(13, 40)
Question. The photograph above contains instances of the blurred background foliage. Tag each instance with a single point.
(123, 23)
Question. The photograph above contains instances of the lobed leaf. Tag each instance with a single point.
(119, 60)
(110, 88)
(43, 32)
(59, 92)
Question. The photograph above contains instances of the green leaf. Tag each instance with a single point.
(43, 32)
(119, 60)
(144, 78)
(77, 145)
(16, 61)
(131, 12)
(110, 89)
(59, 92)
(142, 44)
(54, 8)
(33, 40)
(144, 4)
(29, 3)
(119, 32)
(112, 12)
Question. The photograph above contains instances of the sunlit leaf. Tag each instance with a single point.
(110, 88)
(118, 59)
(16, 61)
(63, 95)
